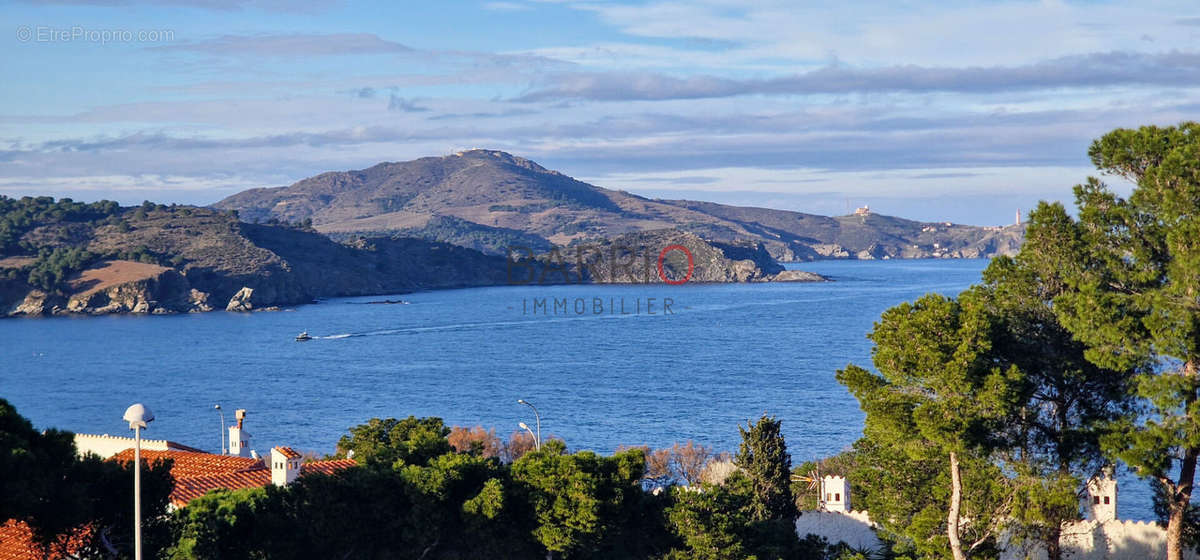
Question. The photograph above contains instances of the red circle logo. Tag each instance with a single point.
(691, 264)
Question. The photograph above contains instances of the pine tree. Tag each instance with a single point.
(1131, 268)
(933, 413)
(764, 458)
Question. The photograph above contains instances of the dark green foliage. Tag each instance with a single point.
(487, 239)
(939, 401)
(1130, 269)
(393, 443)
(1067, 402)
(54, 266)
(718, 522)
(18, 216)
(764, 458)
(583, 502)
(45, 484)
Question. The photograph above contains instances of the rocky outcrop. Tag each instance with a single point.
(241, 301)
(798, 276)
(656, 257)
(130, 287)
(34, 303)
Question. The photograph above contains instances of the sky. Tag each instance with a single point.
(939, 111)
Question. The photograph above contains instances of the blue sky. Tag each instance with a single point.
(962, 111)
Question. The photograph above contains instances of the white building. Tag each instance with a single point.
(1101, 502)
(239, 439)
(285, 465)
(835, 494)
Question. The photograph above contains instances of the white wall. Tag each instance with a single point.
(1110, 540)
(852, 527)
(106, 446)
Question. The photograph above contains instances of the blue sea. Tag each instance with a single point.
(615, 365)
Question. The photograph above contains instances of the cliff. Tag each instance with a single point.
(158, 259)
(661, 256)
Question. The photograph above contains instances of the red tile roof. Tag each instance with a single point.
(16, 542)
(288, 452)
(195, 475)
(188, 464)
(188, 489)
(327, 467)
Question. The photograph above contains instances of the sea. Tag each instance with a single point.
(605, 365)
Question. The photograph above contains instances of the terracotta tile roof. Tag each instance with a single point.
(327, 467)
(188, 489)
(195, 475)
(188, 464)
(288, 452)
(16, 542)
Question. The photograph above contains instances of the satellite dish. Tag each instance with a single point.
(253, 454)
(350, 454)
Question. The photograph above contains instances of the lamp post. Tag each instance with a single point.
(538, 417)
(137, 416)
(525, 427)
(218, 408)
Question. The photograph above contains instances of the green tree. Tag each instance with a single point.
(75, 505)
(932, 413)
(393, 443)
(763, 456)
(581, 501)
(1131, 269)
(1066, 403)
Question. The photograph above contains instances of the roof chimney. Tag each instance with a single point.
(239, 441)
(285, 465)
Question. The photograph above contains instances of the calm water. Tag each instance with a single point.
(727, 354)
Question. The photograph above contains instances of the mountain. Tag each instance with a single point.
(65, 257)
(488, 200)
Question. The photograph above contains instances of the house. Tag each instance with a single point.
(195, 472)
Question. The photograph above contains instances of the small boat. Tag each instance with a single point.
(303, 336)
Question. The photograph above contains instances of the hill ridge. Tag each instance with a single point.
(493, 193)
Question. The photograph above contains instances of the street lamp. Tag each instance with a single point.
(218, 408)
(137, 416)
(538, 417)
(525, 427)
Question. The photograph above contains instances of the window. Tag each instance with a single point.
(837, 497)
(828, 497)
(1095, 499)
(1106, 500)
